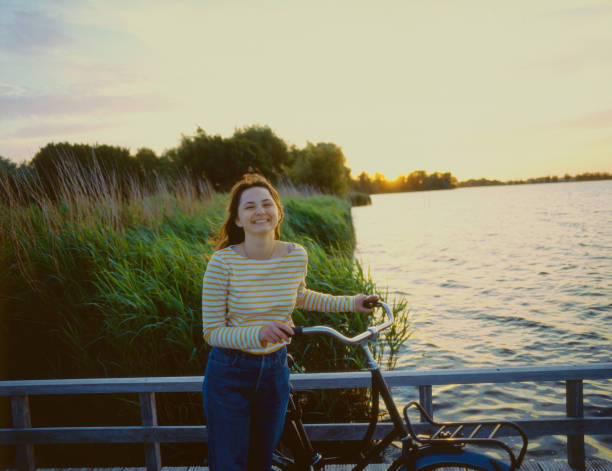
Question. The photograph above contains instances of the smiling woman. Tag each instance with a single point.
(258, 215)
(251, 286)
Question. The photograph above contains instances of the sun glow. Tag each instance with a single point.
(499, 91)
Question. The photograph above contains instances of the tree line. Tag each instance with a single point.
(220, 161)
(418, 180)
(199, 157)
(580, 177)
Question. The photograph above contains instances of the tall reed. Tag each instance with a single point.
(106, 284)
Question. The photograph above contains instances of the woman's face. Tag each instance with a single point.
(257, 211)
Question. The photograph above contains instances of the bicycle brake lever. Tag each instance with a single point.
(371, 304)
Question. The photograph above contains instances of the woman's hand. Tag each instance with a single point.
(275, 332)
(361, 299)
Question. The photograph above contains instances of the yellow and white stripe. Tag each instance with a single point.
(240, 296)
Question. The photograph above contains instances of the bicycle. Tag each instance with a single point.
(444, 447)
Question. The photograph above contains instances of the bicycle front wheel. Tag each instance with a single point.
(462, 460)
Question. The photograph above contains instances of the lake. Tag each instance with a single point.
(500, 276)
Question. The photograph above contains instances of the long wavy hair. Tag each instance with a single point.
(230, 233)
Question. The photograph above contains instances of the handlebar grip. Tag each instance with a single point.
(297, 330)
(371, 304)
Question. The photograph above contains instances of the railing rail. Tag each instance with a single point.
(22, 435)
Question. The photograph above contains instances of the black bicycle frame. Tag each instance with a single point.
(296, 438)
(447, 437)
(380, 388)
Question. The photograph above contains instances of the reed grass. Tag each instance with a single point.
(101, 284)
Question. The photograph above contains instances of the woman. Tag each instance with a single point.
(251, 286)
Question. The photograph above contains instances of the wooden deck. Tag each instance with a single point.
(592, 464)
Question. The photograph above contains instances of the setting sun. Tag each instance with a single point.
(505, 90)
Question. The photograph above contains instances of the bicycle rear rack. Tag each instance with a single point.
(467, 433)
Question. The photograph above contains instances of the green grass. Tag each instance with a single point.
(109, 287)
(323, 219)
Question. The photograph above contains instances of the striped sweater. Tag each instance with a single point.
(241, 295)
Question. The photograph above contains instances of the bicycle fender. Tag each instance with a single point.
(462, 458)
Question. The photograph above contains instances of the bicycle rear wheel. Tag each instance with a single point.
(462, 460)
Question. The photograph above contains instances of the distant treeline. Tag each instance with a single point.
(420, 180)
(201, 157)
(589, 176)
(217, 161)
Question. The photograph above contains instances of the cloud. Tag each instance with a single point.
(8, 89)
(594, 55)
(582, 12)
(596, 120)
(30, 31)
(54, 130)
(24, 106)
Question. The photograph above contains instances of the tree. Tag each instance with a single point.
(269, 152)
(415, 181)
(56, 163)
(441, 181)
(208, 157)
(364, 183)
(7, 165)
(147, 160)
(223, 161)
(380, 183)
(322, 166)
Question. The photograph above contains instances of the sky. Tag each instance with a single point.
(495, 89)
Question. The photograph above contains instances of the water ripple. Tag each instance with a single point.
(495, 276)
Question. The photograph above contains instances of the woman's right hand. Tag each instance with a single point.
(275, 332)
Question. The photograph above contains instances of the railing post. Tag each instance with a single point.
(148, 413)
(426, 400)
(20, 407)
(575, 409)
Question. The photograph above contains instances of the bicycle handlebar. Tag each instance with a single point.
(371, 332)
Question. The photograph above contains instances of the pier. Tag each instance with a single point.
(591, 465)
(573, 424)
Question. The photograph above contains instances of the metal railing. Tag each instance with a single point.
(25, 437)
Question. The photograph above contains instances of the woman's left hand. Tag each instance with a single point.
(360, 299)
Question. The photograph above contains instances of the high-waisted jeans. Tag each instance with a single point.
(245, 400)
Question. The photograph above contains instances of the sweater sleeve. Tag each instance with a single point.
(321, 302)
(215, 290)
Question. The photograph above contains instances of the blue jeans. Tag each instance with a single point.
(245, 400)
